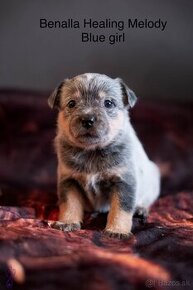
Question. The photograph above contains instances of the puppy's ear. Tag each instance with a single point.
(129, 96)
(54, 98)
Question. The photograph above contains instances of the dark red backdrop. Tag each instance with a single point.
(161, 250)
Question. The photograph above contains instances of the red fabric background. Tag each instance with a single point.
(160, 255)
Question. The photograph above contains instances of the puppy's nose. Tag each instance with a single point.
(88, 121)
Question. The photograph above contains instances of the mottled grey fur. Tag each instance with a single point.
(96, 144)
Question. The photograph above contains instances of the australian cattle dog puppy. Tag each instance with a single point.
(102, 165)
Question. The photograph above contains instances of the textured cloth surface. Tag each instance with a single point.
(158, 256)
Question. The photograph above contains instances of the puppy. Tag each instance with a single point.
(102, 165)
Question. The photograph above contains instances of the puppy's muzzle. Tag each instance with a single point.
(88, 121)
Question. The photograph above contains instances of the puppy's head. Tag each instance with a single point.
(93, 109)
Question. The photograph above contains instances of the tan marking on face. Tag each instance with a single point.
(102, 94)
(118, 221)
(116, 125)
(72, 210)
(62, 124)
(76, 95)
(63, 127)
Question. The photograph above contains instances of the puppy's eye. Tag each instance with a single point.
(71, 104)
(109, 104)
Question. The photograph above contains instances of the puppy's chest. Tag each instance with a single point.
(99, 160)
(96, 189)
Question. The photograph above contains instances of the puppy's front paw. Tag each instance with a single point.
(120, 236)
(65, 227)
